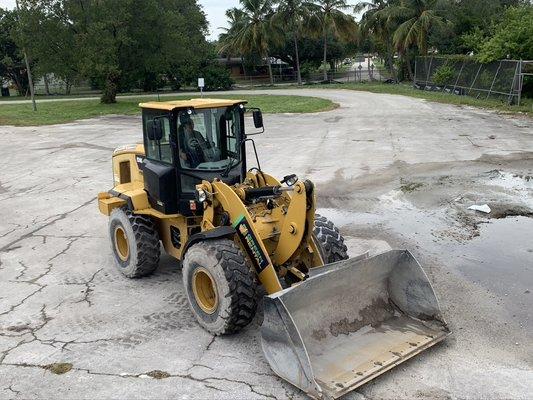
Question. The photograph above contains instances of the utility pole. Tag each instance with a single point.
(28, 70)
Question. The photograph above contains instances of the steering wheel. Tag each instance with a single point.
(193, 142)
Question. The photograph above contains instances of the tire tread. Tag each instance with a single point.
(148, 244)
(331, 239)
(242, 284)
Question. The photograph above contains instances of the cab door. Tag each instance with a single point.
(159, 168)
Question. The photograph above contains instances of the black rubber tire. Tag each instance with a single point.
(143, 243)
(235, 285)
(330, 240)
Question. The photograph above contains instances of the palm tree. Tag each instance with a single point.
(377, 23)
(419, 17)
(227, 39)
(292, 15)
(252, 30)
(328, 18)
(227, 42)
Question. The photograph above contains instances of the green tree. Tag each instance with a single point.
(291, 15)
(252, 31)
(471, 23)
(181, 32)
(513, 36)
(119, 44)
(12, 65)
(227, 41)
(416, 18)
(419, 17)
(327, 18)
(54, 47)
(376, 23)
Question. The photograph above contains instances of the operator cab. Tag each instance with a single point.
(189, 141)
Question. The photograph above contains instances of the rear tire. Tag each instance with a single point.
(330, 240)
(220, 285)
(134, 242)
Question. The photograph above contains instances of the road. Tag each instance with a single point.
(391, 171)
(87, 98)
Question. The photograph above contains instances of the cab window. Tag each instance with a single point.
(208, 139)
(159, 150)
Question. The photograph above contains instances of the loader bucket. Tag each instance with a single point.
(357, 319)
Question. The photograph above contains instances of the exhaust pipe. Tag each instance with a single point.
(349, 323)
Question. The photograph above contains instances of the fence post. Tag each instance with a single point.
(520, 83)
(516, 74)
(414, 77)
(494, 80)
(429, 70)
(458, 76)
(475, 78)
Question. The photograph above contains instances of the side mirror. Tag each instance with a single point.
(258, 118)
(155, 131)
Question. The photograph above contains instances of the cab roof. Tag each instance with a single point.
(192, 103)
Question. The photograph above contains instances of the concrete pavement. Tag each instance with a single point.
(391, 171)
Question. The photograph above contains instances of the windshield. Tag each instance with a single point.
(209, 139)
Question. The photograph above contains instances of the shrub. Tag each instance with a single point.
(307, 69)
(217, 78)
(443, 75)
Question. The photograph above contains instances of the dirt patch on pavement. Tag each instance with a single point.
(157, 374)
(58, 368)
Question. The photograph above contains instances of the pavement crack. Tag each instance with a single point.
(208, 347)
(22, 271)
(88, 289)
(197, 365)
(67, 248)
(51, 220)
(250, 386)
(10, 388)
(13, 307)
(5, 353)
(204, 381)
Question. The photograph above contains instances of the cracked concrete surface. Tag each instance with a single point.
(390, 171)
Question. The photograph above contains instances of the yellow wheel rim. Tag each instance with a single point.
(121, 243)
(205, 290)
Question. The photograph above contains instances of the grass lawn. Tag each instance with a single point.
(407, 90)
(56, 112)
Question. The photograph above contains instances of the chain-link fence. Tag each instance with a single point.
(356, 75)
(501, 80)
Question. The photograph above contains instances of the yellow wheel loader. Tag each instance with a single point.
(330, 323)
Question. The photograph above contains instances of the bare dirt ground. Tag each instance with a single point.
(391, 171)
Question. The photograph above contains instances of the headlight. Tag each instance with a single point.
(290, 180)
(201, 195)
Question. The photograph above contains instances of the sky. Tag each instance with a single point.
(214, 9)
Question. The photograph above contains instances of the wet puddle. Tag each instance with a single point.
(494, 253)
(501, 260)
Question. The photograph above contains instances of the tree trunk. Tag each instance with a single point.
(298, 74)
(18, 84)
(270, 70)
(109, 94)
(243, 67)
(408, 62)
(46, 85)
(390, 60)
(324, 61)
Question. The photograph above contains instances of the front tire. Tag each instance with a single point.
(330, 240)
(220, 286)
(134, 242)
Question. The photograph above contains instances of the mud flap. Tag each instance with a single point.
(345, 326)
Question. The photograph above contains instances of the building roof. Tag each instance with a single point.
(192, 103)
